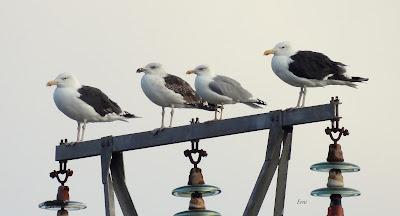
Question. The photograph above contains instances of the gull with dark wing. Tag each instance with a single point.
(308, 69)
(85, 104)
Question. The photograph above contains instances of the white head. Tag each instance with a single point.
(200, 70)
(281, 49)
(65, 80)
(152, 68)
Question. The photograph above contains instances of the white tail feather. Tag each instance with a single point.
(341, 82)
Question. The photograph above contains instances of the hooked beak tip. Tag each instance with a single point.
(269, 52)
(50, 83)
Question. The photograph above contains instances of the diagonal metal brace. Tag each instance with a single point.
(114, 183)
(283, 171)
(269, 167)
(106, 154)
(121, 190)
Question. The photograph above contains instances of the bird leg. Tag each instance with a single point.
(222, 109)
(78, 135)
(79, 132)
(215, 113)
(162, 117)
(300, 95)
(172, 115)
(83, 129)
(155, 131)
(304, 96)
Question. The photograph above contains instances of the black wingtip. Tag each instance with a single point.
(257, 103)
(129, 115)
(359, 79)
(209, 107)
(346, 78)
(261, 102)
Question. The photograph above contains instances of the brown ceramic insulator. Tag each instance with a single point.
(335, 211)
(196, 177)
(335, 208)
(335, 178)
(63, 193)
(196, 202)
(335, 153)
(62, 212)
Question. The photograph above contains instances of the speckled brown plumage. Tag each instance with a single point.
(183, 88)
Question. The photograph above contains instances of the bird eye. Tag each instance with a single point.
(283, 47)
(153, 67)
(64, 78)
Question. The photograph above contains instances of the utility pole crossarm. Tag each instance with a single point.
(200, 131)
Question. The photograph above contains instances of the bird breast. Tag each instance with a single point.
(154, 88)
(280, 66)
(68, 102)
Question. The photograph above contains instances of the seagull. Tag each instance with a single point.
(84, 104)
(167, 90)
(221, 90)
(308, 69)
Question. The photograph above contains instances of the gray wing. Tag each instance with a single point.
(229, 87)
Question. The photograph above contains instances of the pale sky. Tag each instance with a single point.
(104, 42)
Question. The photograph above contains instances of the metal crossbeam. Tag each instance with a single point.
(199, 131)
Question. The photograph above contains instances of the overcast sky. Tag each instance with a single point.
(104, 42)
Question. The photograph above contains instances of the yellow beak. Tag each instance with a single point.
(52, 82)
(268, 52)
(190, 72)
